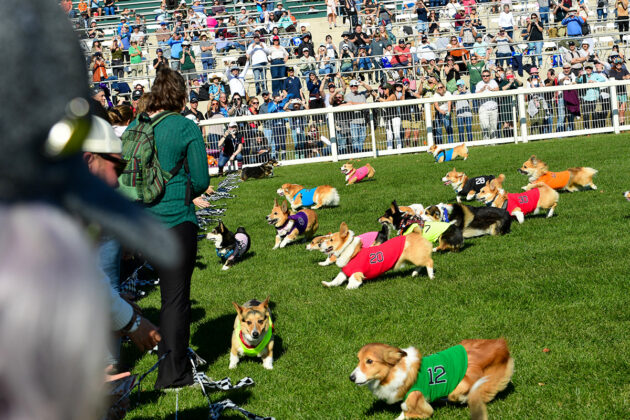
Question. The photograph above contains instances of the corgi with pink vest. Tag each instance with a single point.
(536, 198)
(356, 175)
(358, 263)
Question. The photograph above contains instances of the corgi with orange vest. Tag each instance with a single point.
(358, 263)
(537, 197)
(573, 179)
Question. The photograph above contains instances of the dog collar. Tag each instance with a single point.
(251, 350)
(223, 254)
(445, 216)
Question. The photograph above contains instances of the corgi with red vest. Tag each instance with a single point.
(538, 197)
(573, 179)
(358, 263)
(253, 333)
(356, 175)
(368, 239)
(473, 371)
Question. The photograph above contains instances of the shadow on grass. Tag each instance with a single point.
(213, 337)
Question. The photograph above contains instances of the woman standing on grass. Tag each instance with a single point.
(179, 143)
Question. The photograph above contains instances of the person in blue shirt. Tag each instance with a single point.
(175, 42)
(291, 86)
(278, 127)
(573, 23)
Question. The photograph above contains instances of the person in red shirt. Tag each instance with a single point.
(401, 57)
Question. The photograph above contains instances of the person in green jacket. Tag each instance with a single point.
(188, 58)
(177, 138)
(135, 54)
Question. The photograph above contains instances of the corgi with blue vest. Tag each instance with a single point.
(253, 333)
(298, 196)
(289, 226)
(446, 155)
(473, 372)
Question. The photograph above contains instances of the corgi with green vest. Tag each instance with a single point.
(473, 371)
(253, 333)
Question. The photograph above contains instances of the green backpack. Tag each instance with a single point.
(143, 179)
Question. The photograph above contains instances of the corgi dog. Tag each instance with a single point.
(253, 333)
(465, 188)
(356, 175)
(368, 239)
(298, 196)
(264, 170)
(448, 235)
(539, 197)
(627, 195)
(412, 209)
(290, 226)
(570, 180)
(230, 246)
(445, 155)
(359, 264)
(473, 372)
(473, 221)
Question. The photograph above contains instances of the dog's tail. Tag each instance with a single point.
(465, 148)
(497, 378)
(241, 229)
(334, 198)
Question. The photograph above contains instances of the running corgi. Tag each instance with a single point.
(298, 196)
(355, 175)
(368, 239)
(445, 155)
(465, 188)
(570, 180)
(290, 226)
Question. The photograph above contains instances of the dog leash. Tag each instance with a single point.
(225, 384)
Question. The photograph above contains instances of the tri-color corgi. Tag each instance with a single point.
(465, 188)
(290, 226)
(473, 371)
(356, 175)
(253, 333)
(441, 154)
(473, 221)
(230, 246)
(358, 264)
(368, 239)
(317, 197)
(570, 180)
(538, 197)
(447, 235)
(264, 170)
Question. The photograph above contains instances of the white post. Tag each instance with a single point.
(429, 123)
(522, 116)
(333, 136)
(614, 108)
(373, 135)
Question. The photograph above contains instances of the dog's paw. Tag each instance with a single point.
(225, 267)
(232, 365)
(327, 283)
(353, 284)
(435, 249)
(268, 363)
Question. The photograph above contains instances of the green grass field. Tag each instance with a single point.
(559, 283)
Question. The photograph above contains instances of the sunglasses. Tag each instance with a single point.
(119, 163)
(254, 103)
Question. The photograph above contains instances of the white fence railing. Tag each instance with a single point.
(384, 128)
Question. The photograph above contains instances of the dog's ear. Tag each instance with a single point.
(275, 202)
(343, 229)
(454, 170)
(221, 226)
(238, 307)
(284, 207)
(501, 178)
(392, 356)
(265, 304)
(533, 159)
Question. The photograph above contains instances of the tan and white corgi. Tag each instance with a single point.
(627, 195)
(466, 188)
(253, 333)
(358, 264)
(356, 175)
(368, 239)
(570, 180)
(318, 197)
(290, 226)
(537, 197)
(412, 209)
(440, 154)
(473, 371)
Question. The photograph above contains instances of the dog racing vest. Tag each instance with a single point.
(359, 174)
(255, 351)
(431, 231)
(475, 184)
(376, 260)
(300, 222)
(527, 201)
(448, 155)
(556, 180)
(440, 373)
(367, 238)
(307, 196)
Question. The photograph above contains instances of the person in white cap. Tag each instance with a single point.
(236, 78)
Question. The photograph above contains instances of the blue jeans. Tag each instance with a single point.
(299, 139)
(278, 73)
(464, 123)
(443, 120)
(537, 46)
(357, 132)
(109, 254)
(342, 142)
(509, 30)
(224, 159)
(602, 14)
(260, 77)
(422, 26)
(434, 3)
(544, 14)
(109, 10)
(326, 70)
(268, 133)
(562, 114)
(278, 138)
(503, 58)
(207, 63)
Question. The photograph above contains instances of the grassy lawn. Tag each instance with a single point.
(558, 283)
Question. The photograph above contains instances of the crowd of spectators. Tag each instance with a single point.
(265, 61)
